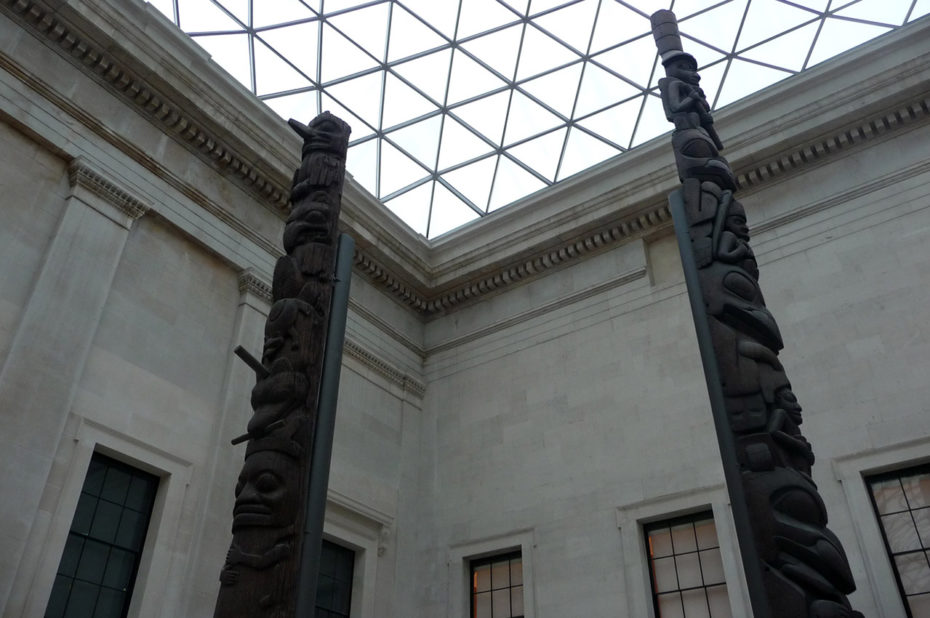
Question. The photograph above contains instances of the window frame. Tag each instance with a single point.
(672, 522)
(491, 560)
(896, 474)
(461, 554)
(137, 550)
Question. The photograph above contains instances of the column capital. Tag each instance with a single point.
(82, 176)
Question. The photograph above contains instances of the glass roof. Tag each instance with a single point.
(461, 107)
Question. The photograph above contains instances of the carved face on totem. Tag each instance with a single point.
(311, 221)
(683, 67)
(266, 493)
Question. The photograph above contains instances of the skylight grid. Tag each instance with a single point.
(461, 107)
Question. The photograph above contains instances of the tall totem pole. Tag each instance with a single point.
(795, 566)
(262, 568)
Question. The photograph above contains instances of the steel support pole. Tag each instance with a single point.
(323, 434)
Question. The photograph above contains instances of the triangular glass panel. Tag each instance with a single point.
(890, 12)
(745, 78)
(539, 6)
(717, 27)
(839, 35)
(571, 24)
(409, 36)
(600, 89)
(360, 129)
(362, 163)
(487, 115)
(542, 153)
(788, 51)
(413, 207)
(362, 95)
(498, 50)
(583, 151)
(449, 212)
(711, 78)
(474, 180)
(557, 89)
(420, 140)
(297, 43)
(703, 54)
(239, 9)
(440, 15)
(366, 26)
(633, 60)
(690, 7)
(397, 170)
(204, 16)
(481, 15)
(341, 57)
(332, 6)
(769, 18)
(540, 53)
(429, 73)
(616, 123)
(921, 8)
(652, 121)
(648, 7)
(273, 74)
(279, 12)
(818, 5)
(230, 51)
(511, 183)
(459, 144)
(402, 103)
(301, 106)
(166, 8)
(520, 6)
(617, 24)
(469, 79)
(527, 118)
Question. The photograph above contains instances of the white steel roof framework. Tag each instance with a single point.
(461, 107)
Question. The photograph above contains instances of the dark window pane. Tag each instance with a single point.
(481, 578)
(500, 575)
(109, 603)
(59, 597)
(106, 521)
(119, 569)
(334, 584)
(131, 529)
(93, 561)
(82, 601)
(116, 485)
(71, 555)
(497, 590)
(140, 494)
(103, 573)
(482, 602)
(95, 475)
(84, 514)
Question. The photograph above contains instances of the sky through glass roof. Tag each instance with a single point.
(461, 107)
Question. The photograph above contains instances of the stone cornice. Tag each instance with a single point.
(384, 369)
(251, 283)
(81, 175)
(616, 201)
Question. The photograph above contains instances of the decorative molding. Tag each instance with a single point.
(271, 187)
(83, 176)
(384, 369)
(816, 151)
(172, 118)
(250, 283)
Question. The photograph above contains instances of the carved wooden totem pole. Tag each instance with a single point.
(260, 575)
(795, 566)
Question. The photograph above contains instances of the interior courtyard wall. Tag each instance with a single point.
(155, 383)
(556, 423)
